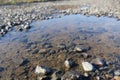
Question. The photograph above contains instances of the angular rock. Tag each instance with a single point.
(87, 66)
(42, 70)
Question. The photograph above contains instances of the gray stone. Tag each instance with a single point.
(61, 46)
(98, 62)
(72, 75)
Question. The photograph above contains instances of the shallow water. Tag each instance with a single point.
(102, 34)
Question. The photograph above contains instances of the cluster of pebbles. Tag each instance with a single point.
(21, 16)
(93, 69)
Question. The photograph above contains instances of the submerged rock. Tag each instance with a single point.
(87, 66)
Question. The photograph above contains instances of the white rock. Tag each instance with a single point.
(78, 49)
(41, 70)
(68, 64)
(87, 66)
(117, 73)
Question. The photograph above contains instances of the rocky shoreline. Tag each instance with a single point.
(19, 18)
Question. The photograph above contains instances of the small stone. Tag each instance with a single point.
(87, 66)
(79, 49)
(42, 70)
(117, 73)
(42, 51)
(86, 74)
(98, 62)
(43, 78)
(47, 45)
(72, 75)
(1, 69)
(52, 52)
(116, 77)
(57, 75)
(84, 55)
(68, 64)
(98, 78)
(61, 46)
(26, 27)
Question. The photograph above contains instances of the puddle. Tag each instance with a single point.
(102, 34)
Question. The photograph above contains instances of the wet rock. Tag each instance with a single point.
(26, 27)
(117, 73)
(72, 75)
(98, 62)
(42, 70)
(68, 64)
(87, 66)
(57, 75)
